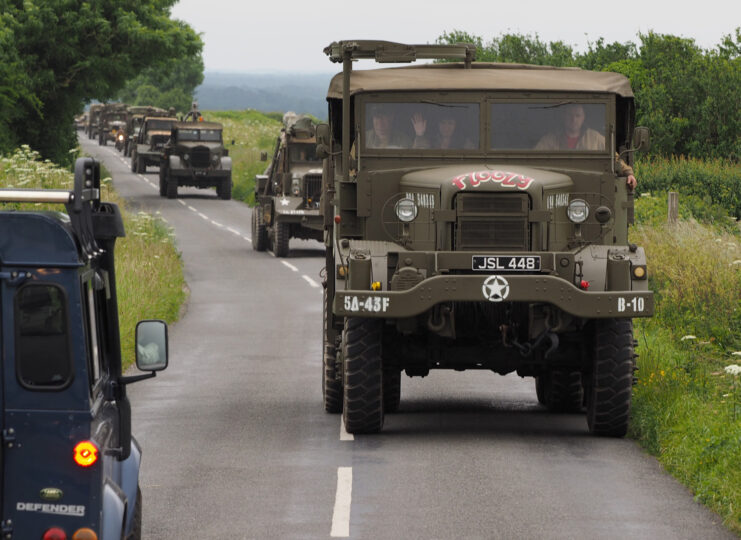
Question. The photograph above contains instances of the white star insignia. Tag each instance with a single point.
(495, 288)
(284, 202)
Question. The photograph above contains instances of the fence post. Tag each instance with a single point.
(673, 202)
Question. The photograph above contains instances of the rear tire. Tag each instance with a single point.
(610, 384)
(259, 232)
(362, 404)
(281, 236)
(163, 182)
(561, 391)
(133, 163)
(331, 385)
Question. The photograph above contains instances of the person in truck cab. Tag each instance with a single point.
(574, 135)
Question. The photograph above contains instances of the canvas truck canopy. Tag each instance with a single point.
(481, 76)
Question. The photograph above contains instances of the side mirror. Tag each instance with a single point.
(263, 156)
(642, 139)
(151, 345)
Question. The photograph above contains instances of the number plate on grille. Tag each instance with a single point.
(506, 263)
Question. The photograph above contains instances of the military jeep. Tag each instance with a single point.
(288, 193)
(150, 142)
(70, 466)
(462, 234)
(195, 156)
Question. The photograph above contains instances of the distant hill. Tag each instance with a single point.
(302, 93)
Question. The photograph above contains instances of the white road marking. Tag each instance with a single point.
(247, 238)
(289, 265)
(219, 225)
(234, 231)
(204, 216)
(342, 502)
(182, 202)
(310, 281)
(344, 435)
(191, 208)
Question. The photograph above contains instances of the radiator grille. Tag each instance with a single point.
(200, 157)
(492, 221)
(312, 190)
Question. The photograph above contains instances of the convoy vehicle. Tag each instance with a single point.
(70, 465)
(111, 122)
(150, 142)
(459, 236)
(135, 115)
(288, 193)
(195, 156)
(93, 117)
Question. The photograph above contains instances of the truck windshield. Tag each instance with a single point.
(302, 153)
(560, 127)
(425, 124)
(159, 125)
(213, 135)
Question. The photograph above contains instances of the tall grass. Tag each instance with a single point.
(686, 407)
(150, 280)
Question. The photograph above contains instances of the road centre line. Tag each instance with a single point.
(310, 281)
(182, 202)
(219, 225)
(342, 503)
(234, 231)
(289, 265)
(344, 435)
(192, 208)
(247, 238)
(204, 216)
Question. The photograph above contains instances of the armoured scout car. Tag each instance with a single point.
(195, 156)
(150, 142)
(461, 236)
(70, 465)
(288, 193)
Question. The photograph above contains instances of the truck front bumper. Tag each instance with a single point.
(497, 289)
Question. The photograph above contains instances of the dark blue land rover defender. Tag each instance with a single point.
(70, 466)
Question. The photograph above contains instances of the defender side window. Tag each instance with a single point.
(43, 359)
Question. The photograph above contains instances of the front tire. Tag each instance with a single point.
(224, 189)
(362, 404)
(610, 384)
(281, 236)
(259, 232)
(163, 182)
(172, 188)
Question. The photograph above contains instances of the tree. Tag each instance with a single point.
(170, 84)
(73, 52)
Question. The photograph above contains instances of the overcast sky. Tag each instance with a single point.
(289, 35)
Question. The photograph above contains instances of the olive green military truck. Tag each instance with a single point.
(93, 115)
(477, 217)
(288, 193)
(150, 142)
(195, 156)
(135, 115)
(111, 123)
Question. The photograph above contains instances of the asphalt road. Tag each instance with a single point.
(237, 445)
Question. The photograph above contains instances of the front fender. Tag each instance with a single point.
(114, 508)
(175, 162)
(130, 480)
(226, 163)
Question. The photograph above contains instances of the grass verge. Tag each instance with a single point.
(150, 280)
(686, 405)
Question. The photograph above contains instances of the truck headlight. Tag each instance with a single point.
(186, 157)
(406, 210)
(578, 211)
(215, 159)
(296, 186)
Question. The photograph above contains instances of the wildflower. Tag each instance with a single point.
(688, 336)
(736, 353)
(662, 373)
(736, 262)
(733, 369)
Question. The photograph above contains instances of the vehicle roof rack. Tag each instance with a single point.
(90, 219)
(385, 52)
